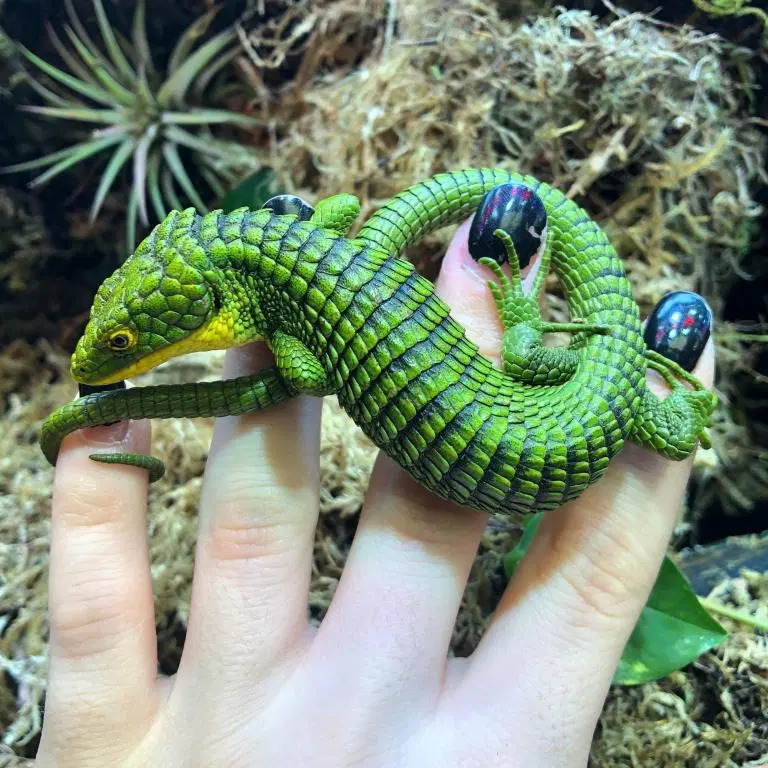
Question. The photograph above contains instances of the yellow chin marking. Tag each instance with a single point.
(216, 333)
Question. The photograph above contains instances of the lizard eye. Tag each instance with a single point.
(121, 340)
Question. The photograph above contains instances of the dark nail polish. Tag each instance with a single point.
(284, 204)
(679, 327)
(516, 209)
(87, 389)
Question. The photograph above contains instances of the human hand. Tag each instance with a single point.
(371, 686)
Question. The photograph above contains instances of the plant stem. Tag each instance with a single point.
(743, 618)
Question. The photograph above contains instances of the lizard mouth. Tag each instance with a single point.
(216, 333)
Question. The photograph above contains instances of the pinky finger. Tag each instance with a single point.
(102, 680)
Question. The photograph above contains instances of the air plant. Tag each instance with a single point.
(143, 117)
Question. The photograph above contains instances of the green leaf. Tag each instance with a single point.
(144, 64)
(516, 555)
(117, 161)
(74, 65)
(672, 631)
(77, 153)
(83, 114)
(114, 50)
(175, 87)
(189, 38)
(171, 155)
(251, 193)
(169, 193)
(140, 161)
(131, 215)
(94, 92)
(81, 31)
(199, 116)
(50, 96)
(68, 156)
(226, 150)
(95, 63)
(153, 183)
(673, 628)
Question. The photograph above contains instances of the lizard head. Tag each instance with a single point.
(165, 300)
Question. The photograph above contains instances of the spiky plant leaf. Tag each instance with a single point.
(142, 119)
(110, 41)
(93, 92)
(117, 161)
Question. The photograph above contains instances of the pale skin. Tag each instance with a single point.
(372, 685)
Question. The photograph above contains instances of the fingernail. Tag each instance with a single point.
(679, 328)
(113, 431)
(516, 209)
(87, 389)
(282, 204)
(107, 434)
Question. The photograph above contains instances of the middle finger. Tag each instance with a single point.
(258, 513)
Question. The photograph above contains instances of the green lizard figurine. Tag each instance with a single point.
(347, 316)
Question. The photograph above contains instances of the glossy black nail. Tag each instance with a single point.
(87, 389)
(283, 204)
(516, 209)
(679, 327)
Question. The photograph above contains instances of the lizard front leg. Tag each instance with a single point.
(298, 367)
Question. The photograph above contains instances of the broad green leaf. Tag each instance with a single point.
(672, 631)
(673, 628)
(251, 193)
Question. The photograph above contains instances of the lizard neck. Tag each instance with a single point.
(270, 272)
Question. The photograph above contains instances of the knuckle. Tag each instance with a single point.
(90, 504)
(238, 531)
(94, 618)
(603, 581)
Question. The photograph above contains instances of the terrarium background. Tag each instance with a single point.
(657, 128)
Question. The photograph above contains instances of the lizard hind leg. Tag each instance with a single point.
(673, 426)
(524, 356)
